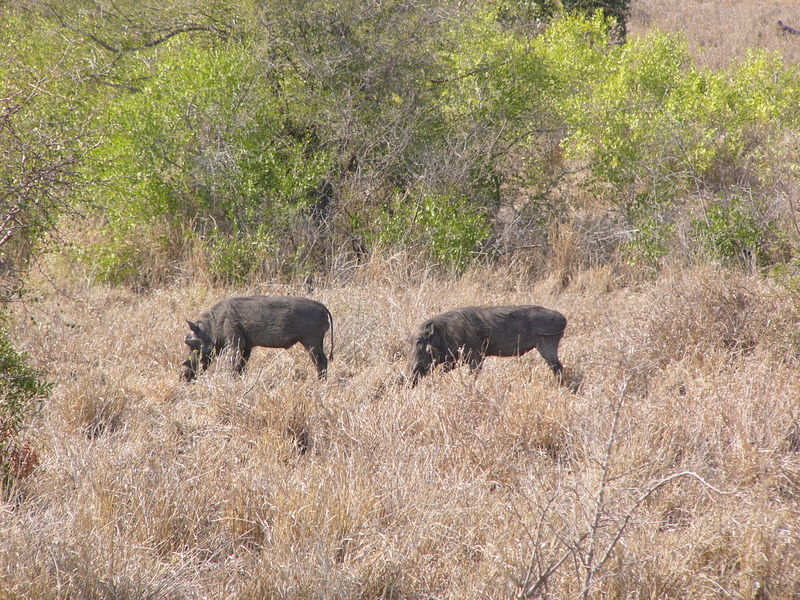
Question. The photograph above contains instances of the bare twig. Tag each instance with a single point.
(534, 589)
(649, 492)
(600, 506)
(163, 35)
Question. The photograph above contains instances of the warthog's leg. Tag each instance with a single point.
(448, 365)
(242, 357)
(318, 358)
(548, 348)
(239, 354)
(475, 361)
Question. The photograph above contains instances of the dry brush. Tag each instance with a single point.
(667, 467)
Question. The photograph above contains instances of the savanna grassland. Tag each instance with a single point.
(666, 466)
(646, 190)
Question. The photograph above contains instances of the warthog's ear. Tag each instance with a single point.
(198, 337)
(198, 331)
(192, 341)
(433, 335)
(423, 336)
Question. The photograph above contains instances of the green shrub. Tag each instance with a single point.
(257, 146)
(43, 137)
(21, 393)
(651, 240)
(446, 227)
(198, 153)
(731, 231)
(653, 131)
(537, 11)
(235, 259)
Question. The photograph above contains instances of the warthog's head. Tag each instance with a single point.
(427, 350)
(201, 347)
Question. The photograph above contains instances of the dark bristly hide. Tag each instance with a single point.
(472, 333)
(239, 324)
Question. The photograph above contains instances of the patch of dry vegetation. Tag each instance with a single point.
(719, 33)
(668, 467)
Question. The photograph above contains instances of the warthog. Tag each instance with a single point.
(475, 332)
(241, 323)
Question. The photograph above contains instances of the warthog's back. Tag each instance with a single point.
(482, 320)
(273, 321)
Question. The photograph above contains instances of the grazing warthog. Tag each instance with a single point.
(241, 323)
(475, 332)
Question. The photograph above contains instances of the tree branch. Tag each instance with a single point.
(166, 34)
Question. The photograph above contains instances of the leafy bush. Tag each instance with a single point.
(41, 141)
(654, 131)
(445, 226)
(258, 143)
(198, 153)
(731, 231)
(236, 259)
(651, 239)
(514, 11)
(21, 391)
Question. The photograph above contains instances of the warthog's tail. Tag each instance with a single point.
(330, 320)
(553, 334)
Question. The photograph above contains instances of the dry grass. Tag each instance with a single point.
(669, 466)
(719, 32)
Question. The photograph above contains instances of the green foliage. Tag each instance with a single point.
(617, 10)
(619, 115)
(236, 259)
(364, 79)
(123, 28)
(645, 117)
(447, 227)
(653, 131)
(516, 12)
(220, 146)
(21, 386)
(652, 234)
(41, 140)
(265, 133)
(731, 231)
(21, 392)
(199, 148)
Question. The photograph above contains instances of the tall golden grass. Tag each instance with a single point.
(666, 466)
(720, 32)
